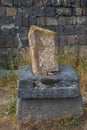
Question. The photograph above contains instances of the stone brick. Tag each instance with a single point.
(25, 11)
(11, 11)
(63, 40)
(2, 41)
(74, 20)
(61, 21)
(17, 20)
(84, 3)
(17, 3)
(56, 3)
(51, 21)
(9, 41)
(71, 39)
(47, 2)
(13, 32)
(29, 3)
(7, 2)
(41, 21)
(65, 20)
(37, 3)
(63, 11)
(66, 3)
(77, 11)
(75, 3)
(82, 39)
(69, 30)
(82, 20)
(50, 11)
(25, 21)
(23, 3)
(85, 12)
(80, 30)
(32, 20)
(38, 12)
(59, 30)
(2, 11)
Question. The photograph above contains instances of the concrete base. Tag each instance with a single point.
(45, 109)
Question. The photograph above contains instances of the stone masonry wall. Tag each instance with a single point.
(67, 17)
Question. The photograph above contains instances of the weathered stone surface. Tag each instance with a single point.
(63, 11)
(69, 30)
(2, 11)
(64, 84)
(45, 109)
(41, 21)
(7, 2)
(51, 21)
(43, 50)
(77, 11)
(11, 11)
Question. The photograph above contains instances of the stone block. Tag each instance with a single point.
(25, 11)
(84, 3)
(56, 3)
(41, 21)
(47, 2)
(71, 39)
(7, 2)
(2, 41)
(9, 41)
(63, 11)
(41, 50)
(2, 11)
(82, 20)
(82, 39)
(32, 20)
(51, 21)
(74, 20)
(59, 30)
(50, 11)
(63, 40)
(38, 3)
(29, 3)
(77, 11)
(63, 84)
(48, 109)
(17, 3)
(64, 20)
(11, 11)
(61, 21)
(69, 30)
(80, 30)
(38, 12)
(75, 3)
(25, 21)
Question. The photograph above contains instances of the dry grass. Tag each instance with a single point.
(79, 65)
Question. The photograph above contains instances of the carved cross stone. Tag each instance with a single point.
(43, 51)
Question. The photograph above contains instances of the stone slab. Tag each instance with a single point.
(64, 84)
(45, 109)
(43, 50)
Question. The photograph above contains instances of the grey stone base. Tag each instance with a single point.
(45, 109)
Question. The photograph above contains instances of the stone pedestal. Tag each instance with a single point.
(47, 97)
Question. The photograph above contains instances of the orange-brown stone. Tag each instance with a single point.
(43, 50)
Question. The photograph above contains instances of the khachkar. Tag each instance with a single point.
(46, 90)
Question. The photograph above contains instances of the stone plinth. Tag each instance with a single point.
(47, 97)
(43, 50)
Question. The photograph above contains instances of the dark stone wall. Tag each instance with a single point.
(67, 17)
